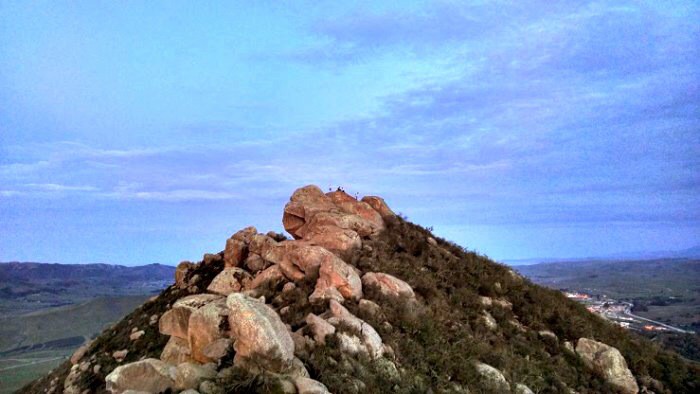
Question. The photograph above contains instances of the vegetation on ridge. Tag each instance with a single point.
(435, 341)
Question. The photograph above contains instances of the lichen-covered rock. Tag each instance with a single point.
(492, 375)
(259, 334)
(488, 321)
(306, 385)
(181, 272)
(350, 205)
(230, 280)
(254, 263)
(149, 375)
(522, 389)
(207, 324)
(176, 351)
(270, 277)
(608, 361)
(388, 285)
(217, 349)
(190, 375)
(369, 336)
(369, 308)
(175, 322)
(342, 242)
(319, 328)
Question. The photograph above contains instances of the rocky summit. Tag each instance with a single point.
(360, 300)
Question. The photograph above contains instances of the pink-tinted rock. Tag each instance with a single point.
(234, 253)
(326, 294)
(236, 250)
(176, 351)
(379, 205)
(229, 280)
(319, 328)
(245, 235)
(259, 334)
(181, 272)
(255, 263)
(388, 285)
(175, 322)
(207, 324)
(346, 221)
(334, 272)
(339, 241)
(302, 205)
(272, 276)
(149, 375)
(217, 349)
(80, 353)
(349, 204)
(260, 244)
(309, 386)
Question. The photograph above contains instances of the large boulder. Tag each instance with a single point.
(388, 286)
(351, 205)
(175, 322)
(335, 273)
(182, 272)
(339, 219)
(270, 277)
(230, 280)
(176, 351)
(379, 205)
(207, 324)
(369, 336)
(189, 375)
(340, 241)
(608, 361)
(149, 375)
(260, 337)
(319, 328)
(236, 249)
(302, 205)
(304, 385)
(492, 376)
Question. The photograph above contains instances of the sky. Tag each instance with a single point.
(142, 132)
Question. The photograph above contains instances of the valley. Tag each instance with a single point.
(48, 310)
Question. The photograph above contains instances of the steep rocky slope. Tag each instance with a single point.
(361, 301)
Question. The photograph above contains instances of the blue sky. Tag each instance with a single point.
(139, 132)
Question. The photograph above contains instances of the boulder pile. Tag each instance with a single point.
(230, 317)
(282, 314)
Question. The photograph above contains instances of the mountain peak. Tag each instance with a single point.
(360, 301)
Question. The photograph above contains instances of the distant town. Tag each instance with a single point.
(619, 312)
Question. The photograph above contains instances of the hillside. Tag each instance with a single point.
(49, 310)
(27, 286)
(362, 301)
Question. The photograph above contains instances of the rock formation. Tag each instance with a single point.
(343, 306)
(608, 361)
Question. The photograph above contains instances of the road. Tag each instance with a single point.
(35, 361)
(628, 312)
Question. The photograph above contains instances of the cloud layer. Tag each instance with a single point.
(501, 118)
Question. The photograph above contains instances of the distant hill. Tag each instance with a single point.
(678, 278)
(26, 287)
(29, 271)
(48, 310)
(690, 254)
